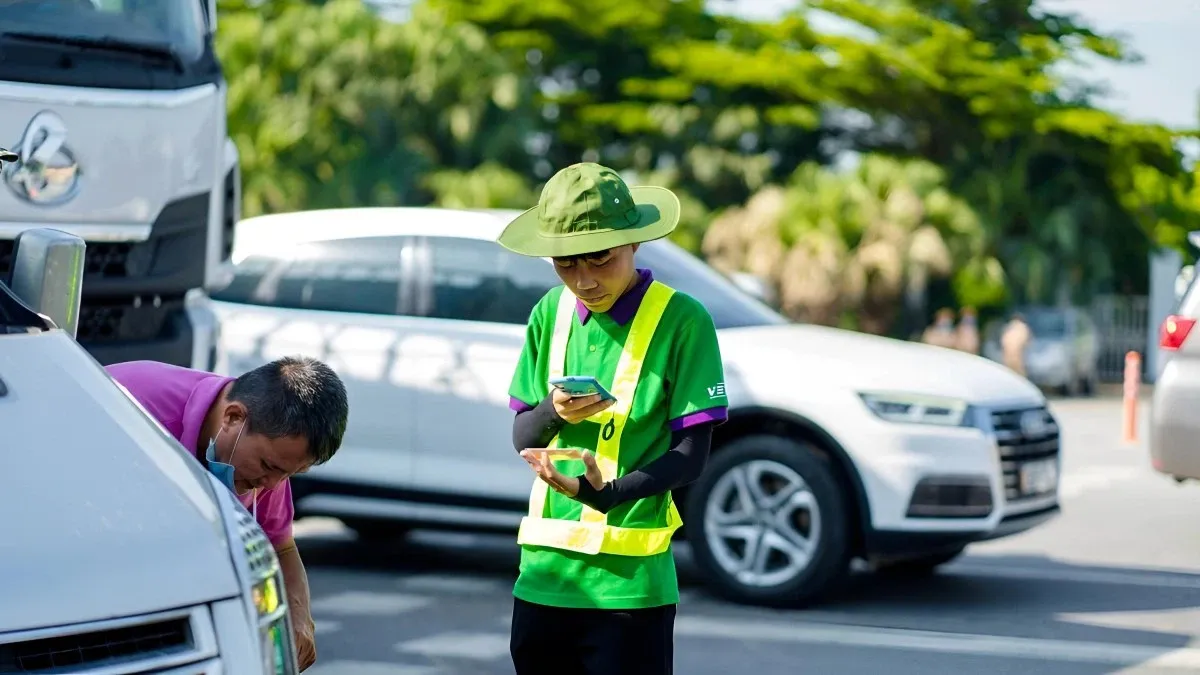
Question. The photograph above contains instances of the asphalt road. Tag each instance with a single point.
(1111, 586)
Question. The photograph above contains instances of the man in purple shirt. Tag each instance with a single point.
(253, 432)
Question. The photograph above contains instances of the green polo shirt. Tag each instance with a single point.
(682, 383)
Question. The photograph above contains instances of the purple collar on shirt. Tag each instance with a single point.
(626, 306)
(206, 392)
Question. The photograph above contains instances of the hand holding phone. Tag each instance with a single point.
(578, 398)
(581, 385)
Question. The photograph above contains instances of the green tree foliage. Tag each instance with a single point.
(330, 106)
(1033, 192)
(1069, 196)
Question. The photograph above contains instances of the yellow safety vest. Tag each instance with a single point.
(592, 534)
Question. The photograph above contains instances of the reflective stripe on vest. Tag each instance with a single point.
(592, 534)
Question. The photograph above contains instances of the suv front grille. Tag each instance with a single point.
(1023, 436)
(132, 645)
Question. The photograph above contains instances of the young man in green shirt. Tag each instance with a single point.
(597, 589)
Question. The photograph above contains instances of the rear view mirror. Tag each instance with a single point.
(47, 275)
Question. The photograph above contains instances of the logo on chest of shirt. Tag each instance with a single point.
(717, 391)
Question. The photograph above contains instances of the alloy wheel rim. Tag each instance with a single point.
(762, 523)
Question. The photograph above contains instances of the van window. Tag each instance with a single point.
(347, 275)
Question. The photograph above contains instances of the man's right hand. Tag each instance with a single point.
(574, 409)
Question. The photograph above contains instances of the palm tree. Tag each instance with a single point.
(851, 247)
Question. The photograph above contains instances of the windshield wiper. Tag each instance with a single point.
(159, 49)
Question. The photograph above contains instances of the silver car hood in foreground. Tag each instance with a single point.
(101, 512)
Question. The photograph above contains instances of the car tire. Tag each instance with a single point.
(918, 566)
(790, 465)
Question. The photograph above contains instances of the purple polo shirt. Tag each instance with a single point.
(179, 398)
(623, 311)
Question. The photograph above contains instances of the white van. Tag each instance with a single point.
(119, 554)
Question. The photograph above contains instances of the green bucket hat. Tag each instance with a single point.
(587, 208)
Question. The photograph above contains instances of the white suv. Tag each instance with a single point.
(838, 445)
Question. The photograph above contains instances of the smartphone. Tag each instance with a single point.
(581, 385)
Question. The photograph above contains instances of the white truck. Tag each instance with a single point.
(127, 557)
(116, 112)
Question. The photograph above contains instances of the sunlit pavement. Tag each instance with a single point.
(1111, 586)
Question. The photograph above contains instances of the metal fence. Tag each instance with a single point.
(1121, 325)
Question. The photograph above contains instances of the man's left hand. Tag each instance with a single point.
(540, 460)
(306, 645)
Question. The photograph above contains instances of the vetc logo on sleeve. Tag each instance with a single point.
(717, 391)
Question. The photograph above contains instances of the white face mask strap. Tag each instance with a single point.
(235, 442)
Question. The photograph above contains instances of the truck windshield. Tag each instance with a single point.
(87, 37)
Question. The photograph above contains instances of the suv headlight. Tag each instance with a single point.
(917, 408)
(262, 582)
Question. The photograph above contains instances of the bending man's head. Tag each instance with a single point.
(280, 419)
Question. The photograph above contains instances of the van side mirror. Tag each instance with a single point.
(47, 275)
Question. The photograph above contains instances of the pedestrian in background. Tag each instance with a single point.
(1013, 342)
(941, 331)
(967, 333)
(597, 590)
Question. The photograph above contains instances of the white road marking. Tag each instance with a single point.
(370, 604)
(933, 641)
(1087, 479)
(1147, 579)
(324, 627)
(316, 527)
(478, 646)
(454, 583)
(369, 668)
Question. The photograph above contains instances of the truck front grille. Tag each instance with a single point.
(132, 320)
(170, 262)
(1024, 435)
(134, 645)
(101, 259)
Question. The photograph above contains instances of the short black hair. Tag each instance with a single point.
(295, 396)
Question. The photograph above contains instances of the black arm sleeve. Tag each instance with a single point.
(680, 465)
(534, 428)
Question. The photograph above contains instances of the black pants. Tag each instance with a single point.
(558, 641)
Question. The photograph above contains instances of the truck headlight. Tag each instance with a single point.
(916, 408)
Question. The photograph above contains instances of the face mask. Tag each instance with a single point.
(223, 471)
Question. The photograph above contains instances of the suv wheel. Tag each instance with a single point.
(768, 523)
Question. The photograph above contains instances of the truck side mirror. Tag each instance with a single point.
(47, 275)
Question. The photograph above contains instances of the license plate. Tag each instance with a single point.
(1039, 477)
